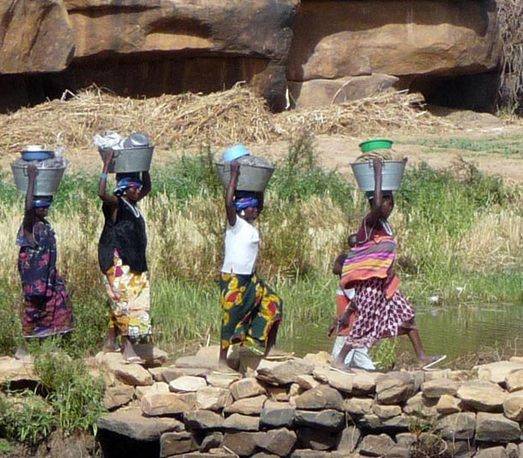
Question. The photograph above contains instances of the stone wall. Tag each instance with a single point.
(300, 407)
(320, 50)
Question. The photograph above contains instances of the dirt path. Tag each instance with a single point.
(495, 149)
(337, 152)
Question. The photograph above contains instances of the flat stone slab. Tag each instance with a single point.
(13, 370)
(283, 373)
(498, 371)
(131, 423)
(482, 396)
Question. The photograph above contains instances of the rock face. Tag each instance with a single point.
(321, 50)
(209, 44)
(335, 40)
(35, 36)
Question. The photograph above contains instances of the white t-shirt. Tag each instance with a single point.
(241, 248)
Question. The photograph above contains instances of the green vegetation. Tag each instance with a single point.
(510, 145)
(456, 230)
(68, 399)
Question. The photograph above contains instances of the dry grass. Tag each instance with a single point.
(510, 14)
(496, 239)
(221, 118)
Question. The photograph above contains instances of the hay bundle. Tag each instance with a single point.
(221, 118)
(398, 110)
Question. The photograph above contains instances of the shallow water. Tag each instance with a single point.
(455, 331)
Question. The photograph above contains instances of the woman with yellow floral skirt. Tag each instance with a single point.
(251, 311)
(122, 259)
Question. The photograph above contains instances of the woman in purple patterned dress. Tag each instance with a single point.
(46, 310)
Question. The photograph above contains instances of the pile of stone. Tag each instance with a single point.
(300, 407)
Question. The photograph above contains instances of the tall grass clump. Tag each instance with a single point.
(456, 229)
(69, 399)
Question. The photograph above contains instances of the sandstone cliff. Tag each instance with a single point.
(317, 48)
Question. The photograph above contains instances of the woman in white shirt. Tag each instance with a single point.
(251, 311)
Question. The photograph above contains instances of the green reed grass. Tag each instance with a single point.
(455, 231)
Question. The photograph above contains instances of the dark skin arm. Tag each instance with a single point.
(102, 185)
(29, 219)
(146, 185)
(376, 212)
(230, 209)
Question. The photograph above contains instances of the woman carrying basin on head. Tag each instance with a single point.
(47, 309)
(122, 259)
(251, 311)
(382, 310)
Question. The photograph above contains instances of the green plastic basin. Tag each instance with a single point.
(378, 143)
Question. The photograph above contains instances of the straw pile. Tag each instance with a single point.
(379, 113)
(235, 115)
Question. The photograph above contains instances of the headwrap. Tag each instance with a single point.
(126, 183)
(370, 194)
(246, 202)
(42, 202)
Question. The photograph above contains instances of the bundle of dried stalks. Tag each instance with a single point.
(398, 110)
(235, 115)
(219, 118)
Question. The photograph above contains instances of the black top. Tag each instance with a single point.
(126, 234)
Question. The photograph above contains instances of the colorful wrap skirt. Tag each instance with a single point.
(47, 309)
(130, 312)
(250, 310)
(378, 317)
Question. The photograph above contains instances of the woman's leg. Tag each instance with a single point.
(410, 329)
(339, 363)
(110, 344)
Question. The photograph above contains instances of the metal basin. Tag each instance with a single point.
(130, 159)
(392, 174)
(47, 181)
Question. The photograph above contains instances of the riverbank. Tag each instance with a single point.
(285, 406)
(459, 233)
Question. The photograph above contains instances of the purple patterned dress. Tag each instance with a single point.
(47, 309)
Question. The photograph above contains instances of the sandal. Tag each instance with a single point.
(432, 361)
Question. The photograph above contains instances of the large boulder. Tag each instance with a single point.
(322, 92)
(254, 36)
(35, 36)
(336, 39)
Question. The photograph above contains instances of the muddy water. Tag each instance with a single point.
(453, 331)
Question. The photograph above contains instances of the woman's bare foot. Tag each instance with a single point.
(22, 354)
(340, 366)
(129, 354)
